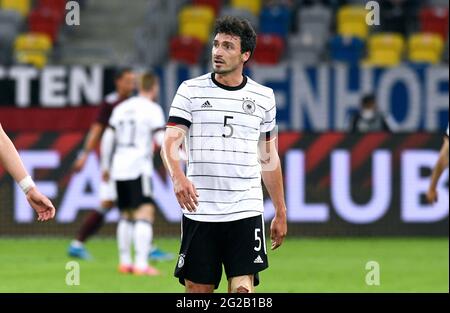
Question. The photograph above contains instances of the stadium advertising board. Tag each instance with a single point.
(335, 183)
(318, 98)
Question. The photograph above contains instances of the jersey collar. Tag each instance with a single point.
(242, 85)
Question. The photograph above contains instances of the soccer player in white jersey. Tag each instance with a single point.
(10, 160)
(127, 158)
(441, 165)
(227, 122)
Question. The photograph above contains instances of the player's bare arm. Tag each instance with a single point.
(273, 180)
(441, 165)
(10, 160)
(92, 140)
(170, 153)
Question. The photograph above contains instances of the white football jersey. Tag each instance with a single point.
(134, 122)
(225, 125)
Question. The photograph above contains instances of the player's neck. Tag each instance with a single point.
(228, 82)
(147, 95)
(230, 79)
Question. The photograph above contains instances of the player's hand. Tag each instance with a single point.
(80, 162)
(432, 196)
(186, 193)
(105, 176)
(41, 204)
(278, 230)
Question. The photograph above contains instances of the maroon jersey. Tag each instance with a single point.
(106, 108)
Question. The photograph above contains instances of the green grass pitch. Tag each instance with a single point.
(300, 265)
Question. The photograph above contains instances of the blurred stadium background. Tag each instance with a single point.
(351, 198)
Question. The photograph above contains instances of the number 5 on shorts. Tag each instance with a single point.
(258, 239)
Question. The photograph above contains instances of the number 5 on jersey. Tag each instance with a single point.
(225, 120)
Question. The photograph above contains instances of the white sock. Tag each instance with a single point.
(77, 244)
(143, 235)
(124, 240)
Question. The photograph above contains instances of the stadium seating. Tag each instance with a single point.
(241, 13)
(434, 20)
(185, 49)
(21, 6)
(7, 35)
(305, 48)
(44, 20)
(32, 48)
(275, 20)
(196, 21)
(253, 6)
(216, 5)
(269, 49)
(351, 21)
(315, 20)
(57, 6)
(11, 18)
(346, 49)
(425, 48)
(385, 49)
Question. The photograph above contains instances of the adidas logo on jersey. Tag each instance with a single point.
(258, 260)
(206, 105)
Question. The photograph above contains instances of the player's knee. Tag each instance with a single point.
(242, 284)
(145, 212)
(107, 205)
(242, 289)
(192, 287)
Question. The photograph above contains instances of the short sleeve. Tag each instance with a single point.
(180, 110)
(104, 113)
(269, 122)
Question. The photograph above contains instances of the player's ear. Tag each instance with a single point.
(245, 56)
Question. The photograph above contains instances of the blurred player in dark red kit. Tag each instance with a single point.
(125, 84)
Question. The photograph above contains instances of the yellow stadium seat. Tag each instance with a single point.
(351, 21)
(32, 48)
(196, 30)
(197, 14)
(253, 6)
(21, 6)
(196, 21)
(425, 48)
(36, 58)
(33, 41)
(385, 49)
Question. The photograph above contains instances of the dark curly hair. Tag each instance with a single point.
(239, 27)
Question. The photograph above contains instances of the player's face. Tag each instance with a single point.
(226, 54)
(126, 84)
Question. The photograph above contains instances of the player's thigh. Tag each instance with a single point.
(245, 250)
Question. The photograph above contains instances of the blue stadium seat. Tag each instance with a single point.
(275, 20)
(346, 49)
